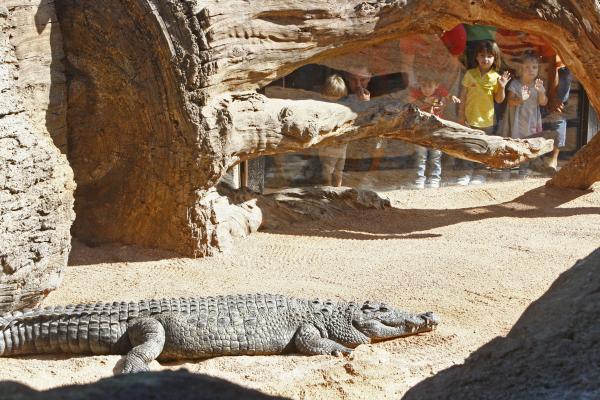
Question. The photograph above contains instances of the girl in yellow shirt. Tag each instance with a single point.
(481, 86)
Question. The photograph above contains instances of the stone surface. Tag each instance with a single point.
(36, 182)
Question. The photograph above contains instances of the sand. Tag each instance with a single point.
(477, 256)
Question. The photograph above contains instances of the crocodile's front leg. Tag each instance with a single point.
(308, 340)
(147, 337)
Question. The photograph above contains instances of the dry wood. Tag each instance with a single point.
(583, 170)
(169, 107)
(285, 125)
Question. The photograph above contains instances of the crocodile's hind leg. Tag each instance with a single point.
(308, 340)
(147, 337)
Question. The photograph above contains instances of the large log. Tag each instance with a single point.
(156, 119)
(263, 126)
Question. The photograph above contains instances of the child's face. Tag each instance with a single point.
(485, 60)
(429, 88)
(530, 69)
(358, 84)
(358, 80)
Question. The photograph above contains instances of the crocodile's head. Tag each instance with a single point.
(379, 321)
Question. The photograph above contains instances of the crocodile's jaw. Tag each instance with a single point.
(396, 324)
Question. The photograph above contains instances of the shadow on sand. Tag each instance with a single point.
(368, 224)
(179, 385)
(411, 223)
(552, 352)
(87, 254)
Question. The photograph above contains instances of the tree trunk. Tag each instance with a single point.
(36, 182)
(263, 126)
(583, 170)
(161, 99)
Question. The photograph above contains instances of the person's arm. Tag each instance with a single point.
(500, 93)
(461, 106)
(553, 80)
(560, 93)
(539, 87)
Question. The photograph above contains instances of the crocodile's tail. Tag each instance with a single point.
(71, 330)
(6, 338)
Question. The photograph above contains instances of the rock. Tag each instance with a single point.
(162, 101)
(295, 205)
(36, 182)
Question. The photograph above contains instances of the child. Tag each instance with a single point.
(481, 86)
(333, 158)
(555, 122)
(430, 97)
(525, 96)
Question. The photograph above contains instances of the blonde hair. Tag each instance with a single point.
(334, 86)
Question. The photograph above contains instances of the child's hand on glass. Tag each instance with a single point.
(525, 93)
(455, 99)
(503, 80)
(539, 86)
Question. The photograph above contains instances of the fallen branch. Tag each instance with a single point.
(257, 125)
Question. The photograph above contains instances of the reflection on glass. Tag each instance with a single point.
(503, 82)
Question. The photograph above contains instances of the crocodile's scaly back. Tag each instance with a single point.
(100, 328)
(97, 328)
(85, 328)
(205, 327)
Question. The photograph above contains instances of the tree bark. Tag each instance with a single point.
(583, 170)
(262, 126)
(36, 182)
(161, 96)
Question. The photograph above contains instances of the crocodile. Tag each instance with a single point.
(203, 327)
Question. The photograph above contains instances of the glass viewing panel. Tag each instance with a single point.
(456, 76)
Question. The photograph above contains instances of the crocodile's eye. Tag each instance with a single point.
(368, 308)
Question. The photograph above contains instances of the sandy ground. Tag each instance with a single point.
(477, 256)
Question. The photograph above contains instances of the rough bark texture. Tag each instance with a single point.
(162, 101)
(583, 170)
(269, 126)
(36, 182)
(552, 352)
